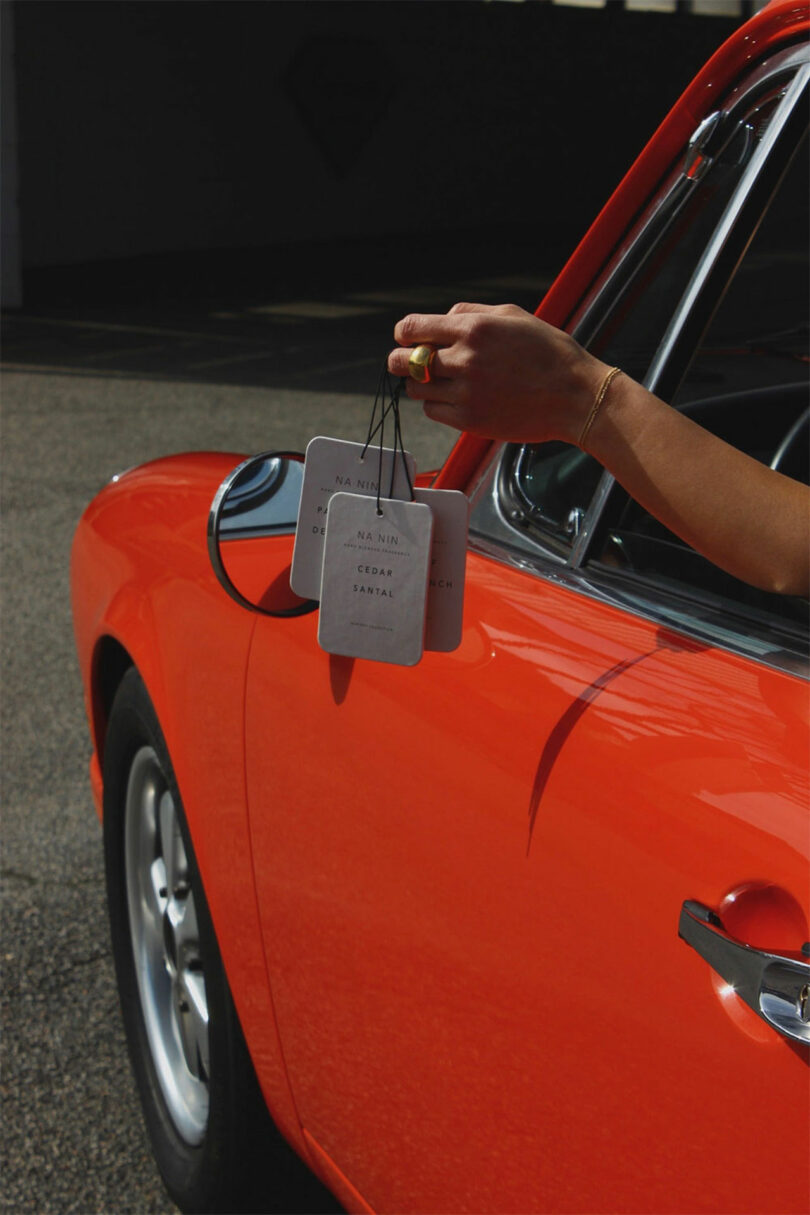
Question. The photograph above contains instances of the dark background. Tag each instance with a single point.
(184, 146)
(223, 208)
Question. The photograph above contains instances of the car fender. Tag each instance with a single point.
(144, 593)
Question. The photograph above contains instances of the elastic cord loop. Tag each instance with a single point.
(597, 405)
(387, 389)
(398, 443)
(380, 462)
(395, 409)
(398, 431)
(373, 432)
(372, 429)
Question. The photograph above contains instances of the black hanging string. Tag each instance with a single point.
(398, 443)
(372, 429)
(398, 438)
(395, 411)
(380, 463)
(387, 400)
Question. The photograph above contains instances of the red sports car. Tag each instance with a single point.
(523, 927)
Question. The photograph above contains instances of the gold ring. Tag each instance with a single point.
(419, 363)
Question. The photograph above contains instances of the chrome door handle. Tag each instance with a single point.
(776, 986)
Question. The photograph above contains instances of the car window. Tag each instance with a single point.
(746, 379)
(549, 487)
(625, 315)
(749, 384)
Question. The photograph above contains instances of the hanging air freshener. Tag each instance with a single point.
(448, 560)
(376, 560)
(332, 466)
(386, 561)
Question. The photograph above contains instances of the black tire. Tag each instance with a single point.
(211, 1134)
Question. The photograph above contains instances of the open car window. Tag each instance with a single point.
(748, 383)
(745, 377)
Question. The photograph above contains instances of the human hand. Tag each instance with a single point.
(500, 372)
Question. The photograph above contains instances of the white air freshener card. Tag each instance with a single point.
(332, 466)
(375, 574)
(448, 561)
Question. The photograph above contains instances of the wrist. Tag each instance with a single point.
(589, 376)
(600, 402)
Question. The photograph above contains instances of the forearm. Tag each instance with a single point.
(502, 373)
(746, 518)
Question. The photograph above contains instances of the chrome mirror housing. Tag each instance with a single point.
(257, 502)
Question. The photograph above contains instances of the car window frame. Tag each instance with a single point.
(500, 528)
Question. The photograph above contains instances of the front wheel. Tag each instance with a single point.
(211, 1134)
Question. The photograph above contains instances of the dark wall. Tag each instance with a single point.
(167, 125)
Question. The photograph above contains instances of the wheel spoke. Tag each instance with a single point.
(147, 874)
(157, 887)
(166, 946)
(186, 930)
(195, 1019)
(171, 844)
(193, 1001)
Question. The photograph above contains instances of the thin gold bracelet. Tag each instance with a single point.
(597, 405)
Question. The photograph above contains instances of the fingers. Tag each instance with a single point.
(435, 390)
(440, 330)
(459, 337)
(439, 388)
(462, 307)
(443, 412)
(398, 363)
(493, 309)
(445, 328)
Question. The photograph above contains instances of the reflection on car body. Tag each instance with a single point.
(524, 927)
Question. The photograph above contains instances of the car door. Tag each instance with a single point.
(472, 873)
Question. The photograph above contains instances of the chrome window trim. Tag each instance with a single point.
(713, 253)
(489, 520)
(497, 537)
(700, 283)
(701, 622)
(673, 188)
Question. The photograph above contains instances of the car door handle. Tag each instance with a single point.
(775, 985)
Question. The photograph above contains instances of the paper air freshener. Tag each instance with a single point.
(448, 560)
(374, 579)
(334, 466)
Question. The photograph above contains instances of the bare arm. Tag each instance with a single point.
(502, 373)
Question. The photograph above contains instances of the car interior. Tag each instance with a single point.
(747, 382)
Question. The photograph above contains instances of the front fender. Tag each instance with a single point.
(143, 590)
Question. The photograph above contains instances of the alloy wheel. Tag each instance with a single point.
(166, 946)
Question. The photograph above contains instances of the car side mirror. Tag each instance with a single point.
(256, 503)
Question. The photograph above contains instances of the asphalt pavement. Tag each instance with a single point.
(92, 385)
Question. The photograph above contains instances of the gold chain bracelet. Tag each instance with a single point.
(597, 405)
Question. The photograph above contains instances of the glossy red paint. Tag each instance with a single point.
(464, 827)
(452, 892)
(140, 577)
(251, 566)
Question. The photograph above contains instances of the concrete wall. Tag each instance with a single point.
(166, 125)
